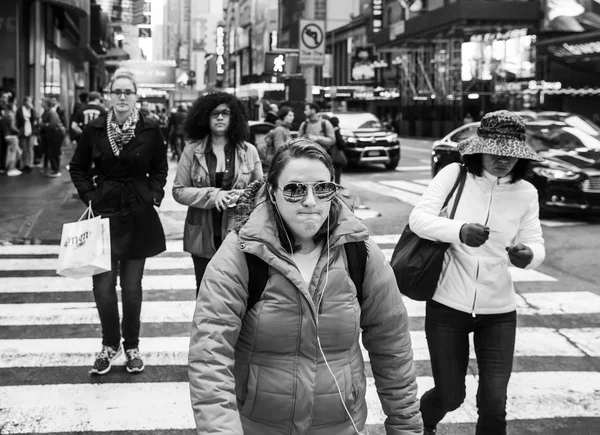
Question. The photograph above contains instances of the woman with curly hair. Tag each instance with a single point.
(216, 165)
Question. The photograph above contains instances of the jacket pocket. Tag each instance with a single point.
(244, 176)
(328, 408)
(268, 400)
(241, 372)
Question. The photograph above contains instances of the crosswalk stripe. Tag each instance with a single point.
(413, 168)
(154, 263)
(405, 185)
(67, 407)
(172, 246)
(77, 313)
(161, 351)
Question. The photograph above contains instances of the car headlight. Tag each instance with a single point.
(556, 173)
(392, 138)
(350, 139)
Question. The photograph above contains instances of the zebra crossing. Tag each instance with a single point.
(50, 332)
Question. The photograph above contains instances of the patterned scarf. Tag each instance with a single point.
(119, 136)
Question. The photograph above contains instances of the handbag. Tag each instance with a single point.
(338, 157)
(417, 262)
(85, 246)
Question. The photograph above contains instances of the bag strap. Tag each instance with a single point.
(356, 253)
(459, 183)
(258, 271)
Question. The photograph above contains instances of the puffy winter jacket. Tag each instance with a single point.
(260, 372)
(477, 280)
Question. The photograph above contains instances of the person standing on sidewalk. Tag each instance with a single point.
(87, 113)
(53, 134)
(11, 137)
(120, 167)
(27, 123)
(213, 170)
(496, 224)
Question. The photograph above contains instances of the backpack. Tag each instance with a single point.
(323, 128)
(258, 271)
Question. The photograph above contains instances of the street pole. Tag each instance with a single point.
(308, 71)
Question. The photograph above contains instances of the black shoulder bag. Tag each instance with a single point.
(417, 262)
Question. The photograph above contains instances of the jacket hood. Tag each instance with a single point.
(256, 221)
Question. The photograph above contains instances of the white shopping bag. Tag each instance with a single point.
(85, 246)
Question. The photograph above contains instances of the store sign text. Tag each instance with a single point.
(500, 36)
(220, 49)
(531, 85)
(377, 8)
(568, 50)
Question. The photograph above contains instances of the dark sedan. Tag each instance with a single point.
(569, 176)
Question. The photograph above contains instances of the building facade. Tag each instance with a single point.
(49, 48)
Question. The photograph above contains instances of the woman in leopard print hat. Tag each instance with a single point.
(496, 224)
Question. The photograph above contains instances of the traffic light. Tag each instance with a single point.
(275, 63)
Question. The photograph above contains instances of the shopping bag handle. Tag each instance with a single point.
(88, 213)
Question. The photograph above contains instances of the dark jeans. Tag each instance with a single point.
(53, 150)
(200, 264)
(105, 294)
(447, 332)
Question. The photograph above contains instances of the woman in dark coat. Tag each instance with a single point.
(120, 166)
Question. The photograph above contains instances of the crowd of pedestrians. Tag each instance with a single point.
(287, 278)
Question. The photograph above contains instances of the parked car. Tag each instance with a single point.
(367, 141)
(572, 119)
(569, 176)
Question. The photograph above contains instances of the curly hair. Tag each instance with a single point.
(197, 122)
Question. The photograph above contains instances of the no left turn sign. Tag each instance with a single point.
(312, 42)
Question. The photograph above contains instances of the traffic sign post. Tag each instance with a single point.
(312, 42)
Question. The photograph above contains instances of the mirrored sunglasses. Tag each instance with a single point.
(295, 192)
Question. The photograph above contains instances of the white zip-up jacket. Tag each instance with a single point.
(477, 280)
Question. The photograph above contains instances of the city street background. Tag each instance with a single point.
(50, 332)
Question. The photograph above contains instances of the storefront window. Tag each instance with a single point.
(51, 75)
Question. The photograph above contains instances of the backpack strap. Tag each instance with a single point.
(258, 271)
(258, 274)
(356, 253)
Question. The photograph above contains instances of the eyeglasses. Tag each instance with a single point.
(296, 192)
(118, 92)
(226, 113)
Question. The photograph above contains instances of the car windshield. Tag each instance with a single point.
(544, 138)
(578, 121)
(353, 121)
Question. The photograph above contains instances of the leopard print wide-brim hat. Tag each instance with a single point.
(501, 133)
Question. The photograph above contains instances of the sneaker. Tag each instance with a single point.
(104, 359)
(53, 174)
(134, 364)
(13, 173)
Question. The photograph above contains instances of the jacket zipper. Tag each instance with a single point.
(487, 218)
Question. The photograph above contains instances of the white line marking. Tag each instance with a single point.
(76, 313)
(423, 181)
(405, 185)
(559, 303)
(172, 246)
(110, 407)
(413, 168)
(407, 197)
(154, 263)
(422, 150)
(59, 284)
(518, 275)
(161, 351)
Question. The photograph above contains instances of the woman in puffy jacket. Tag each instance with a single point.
(214, 168)
(291, 363)
(496, 224)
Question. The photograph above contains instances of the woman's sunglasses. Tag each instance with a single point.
(296, 192)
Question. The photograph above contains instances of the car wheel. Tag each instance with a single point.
(392, 164)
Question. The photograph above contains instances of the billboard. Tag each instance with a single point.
(361, 69)
(571, 16)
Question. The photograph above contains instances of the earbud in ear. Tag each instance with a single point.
(271, 196)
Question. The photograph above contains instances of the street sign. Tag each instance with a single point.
(312, 42)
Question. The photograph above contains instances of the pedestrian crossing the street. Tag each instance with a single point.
(50, 333)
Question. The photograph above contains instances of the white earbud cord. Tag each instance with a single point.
(318, 305)
(319, 340)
